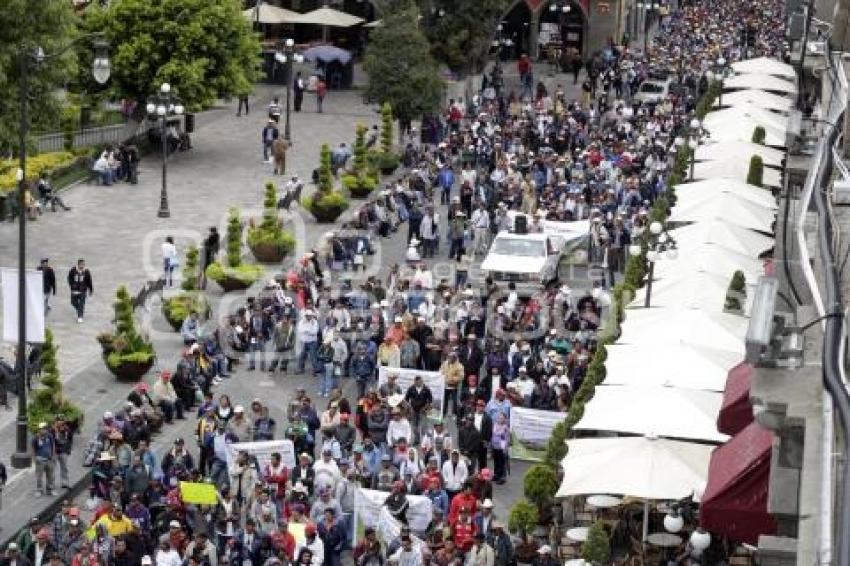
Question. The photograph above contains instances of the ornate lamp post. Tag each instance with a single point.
(30, 55)
(160, 108)
(660, 245)
(286, 57)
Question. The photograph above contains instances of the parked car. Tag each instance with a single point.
(653, 91)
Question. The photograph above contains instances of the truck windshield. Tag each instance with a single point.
(519, 247)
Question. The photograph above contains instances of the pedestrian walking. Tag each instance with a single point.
(80, 282)
(243, 101)
(44, 450)
(170, 261)
(275, 110)
(298, 87)
(269, 135)
(210, 251)
(321, 93)
(48, 285)
(64, 438)
(3, 479)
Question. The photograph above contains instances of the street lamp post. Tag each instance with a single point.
(693, 143)
(648, 9)
(659, 243)
(720, 75)
(28, 55)
(286, 57)
(166, 105)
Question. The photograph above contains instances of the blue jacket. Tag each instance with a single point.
(446, 178)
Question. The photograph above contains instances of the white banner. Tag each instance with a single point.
(433, 379)
(534, 426)
(388, 529)
(563, 232)
(369, 502)
(263, 451)
(34, 305)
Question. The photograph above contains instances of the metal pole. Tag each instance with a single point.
(289, 56)
(163, 195)
(21, 458)
(649, 285)
(693, 158)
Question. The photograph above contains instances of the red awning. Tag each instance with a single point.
(737, 410)
(735, 500)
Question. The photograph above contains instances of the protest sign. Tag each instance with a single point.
(530, 431)
(368, 504)
(198, 493)
(433, 379)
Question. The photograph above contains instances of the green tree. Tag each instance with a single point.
(756, 173)
(48, 25)
(234, 238)
(203, 48)
(325, 176)
(360, 150)
(556, 447)
(401, 70)
(386, 128)
(48, 400)
(540, 484)
(597, 548)
(522, 518)
(190, 270)
(461, 32)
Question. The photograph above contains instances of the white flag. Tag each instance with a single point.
(34, 305)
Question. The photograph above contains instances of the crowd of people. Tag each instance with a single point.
(602, 158)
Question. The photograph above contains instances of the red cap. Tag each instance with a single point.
(310, 529)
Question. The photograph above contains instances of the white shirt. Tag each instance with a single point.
(454, 476)
(167, 558)
(169, 251)
(308, 330)
(317, 547)
(399, 429)
(480, 219)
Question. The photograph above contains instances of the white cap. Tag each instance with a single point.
(545, 549)
(238, 409)
(146, 559)
(488, 504)
(398, 319)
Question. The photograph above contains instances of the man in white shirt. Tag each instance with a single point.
(307, 333)
(314, 544)
(480, 230)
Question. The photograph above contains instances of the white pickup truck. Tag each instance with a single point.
(528, 260)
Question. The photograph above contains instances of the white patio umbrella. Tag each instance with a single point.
(741, 128)
(765, 118)
(699, 191)
(688, 414)
(644, 467)
(328, 17)
(760, 81)
(710, 258)
(688, 289)
(687, 367)
(270, 14)
(722, 233)
(666, 329)
(729, 208)
(756, 97)
(722, 151)
(736, 168)
(764, 66)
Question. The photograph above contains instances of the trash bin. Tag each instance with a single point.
(189, 124)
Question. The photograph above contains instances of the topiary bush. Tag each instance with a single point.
(326, 207)
(522, 518)
(236, 275)
(386, 128)
(759, 135)
(269, 242)
(597, 548)
(756, 172)
(176, 309)
(540, 485)
(128, 354)
(325, 184)
(191, 270)
(736, 295)
(48, 401)
(556, 447)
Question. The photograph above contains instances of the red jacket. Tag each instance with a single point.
(459, 502)
(464, 535)
(284, 541)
